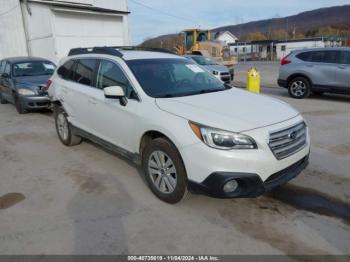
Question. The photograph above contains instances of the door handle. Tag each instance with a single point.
(92, 101)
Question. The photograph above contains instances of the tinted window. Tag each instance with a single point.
(66, 70)
(33, 68)
(84, 71)
(319, 56)
(345, 57)
(110, 74)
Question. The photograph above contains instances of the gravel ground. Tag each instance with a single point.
(85, 200)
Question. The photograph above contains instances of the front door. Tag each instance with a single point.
(343, 72)
(112, 121)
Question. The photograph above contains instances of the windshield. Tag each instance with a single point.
(33, 68)
(173, 78)
(202, 60)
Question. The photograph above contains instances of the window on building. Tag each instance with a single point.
(84, 72)
(283, 48)
(236, 50)
(244, 49)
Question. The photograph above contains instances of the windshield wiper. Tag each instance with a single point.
(165, 96)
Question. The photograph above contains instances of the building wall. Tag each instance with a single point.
(227, 39)
(65, 28)
(283, 49)
(12, 36)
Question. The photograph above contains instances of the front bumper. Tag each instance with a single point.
(249, 185)
(34, 102)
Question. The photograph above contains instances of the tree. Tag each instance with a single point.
(256, 36)
(279, 34)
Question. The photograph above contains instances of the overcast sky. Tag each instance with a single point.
(145, 22)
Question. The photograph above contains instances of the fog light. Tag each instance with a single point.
(230, 186)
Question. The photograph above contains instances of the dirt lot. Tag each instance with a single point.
(84, 200)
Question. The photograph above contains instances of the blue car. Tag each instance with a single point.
(23, 82)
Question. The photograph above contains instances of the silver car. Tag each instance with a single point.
(316, 70)
(220, 71)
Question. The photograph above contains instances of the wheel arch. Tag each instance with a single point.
(149, 136)
(295, 75)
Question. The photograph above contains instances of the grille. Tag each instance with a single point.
(286, 142)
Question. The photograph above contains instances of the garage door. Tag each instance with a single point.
(85, 30)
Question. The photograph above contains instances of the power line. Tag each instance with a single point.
(163, 12)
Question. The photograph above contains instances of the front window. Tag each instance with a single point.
(33, 68)
(202, 60)
(173, 78)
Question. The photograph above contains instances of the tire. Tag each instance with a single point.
(64, 128)
(2, 100)
(18, 105)
(299, 87)
(168, 181)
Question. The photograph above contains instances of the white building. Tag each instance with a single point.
(49, 28)
(284, 48)
(226, 37)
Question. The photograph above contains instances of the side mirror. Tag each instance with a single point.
(5, 75)
(116, 92)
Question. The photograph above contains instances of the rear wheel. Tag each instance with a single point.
(164, 170)
(299, 88)
(64, 129)
(2, 99)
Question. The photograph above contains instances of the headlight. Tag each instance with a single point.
(216, 73)
(26, 92)
(221, 139)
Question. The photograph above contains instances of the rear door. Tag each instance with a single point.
(343, 72)
(322, 67)
(76, 92)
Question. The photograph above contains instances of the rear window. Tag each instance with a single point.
(319, 56)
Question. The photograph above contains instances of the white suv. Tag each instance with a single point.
(187, 128)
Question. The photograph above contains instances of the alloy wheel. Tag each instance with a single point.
(162, 172)
(298, 88)
(62, 126)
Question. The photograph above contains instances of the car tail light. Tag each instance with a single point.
(285, 60)
(48, 84)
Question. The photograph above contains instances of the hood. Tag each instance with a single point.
(219, 68)
(232, 110)
(32, 81)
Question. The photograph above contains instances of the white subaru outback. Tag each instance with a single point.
(185, 127)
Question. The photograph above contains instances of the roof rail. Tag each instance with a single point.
(140, 48)
(105, 50)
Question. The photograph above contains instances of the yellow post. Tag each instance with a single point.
(253, 80)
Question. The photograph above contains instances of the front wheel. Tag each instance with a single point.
(164, 170)
(64, 129)
(19, 107)
(2, 100)
(299, 88)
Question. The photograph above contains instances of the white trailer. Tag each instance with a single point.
(49, 29)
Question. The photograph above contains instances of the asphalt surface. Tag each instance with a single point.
(85, 200)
